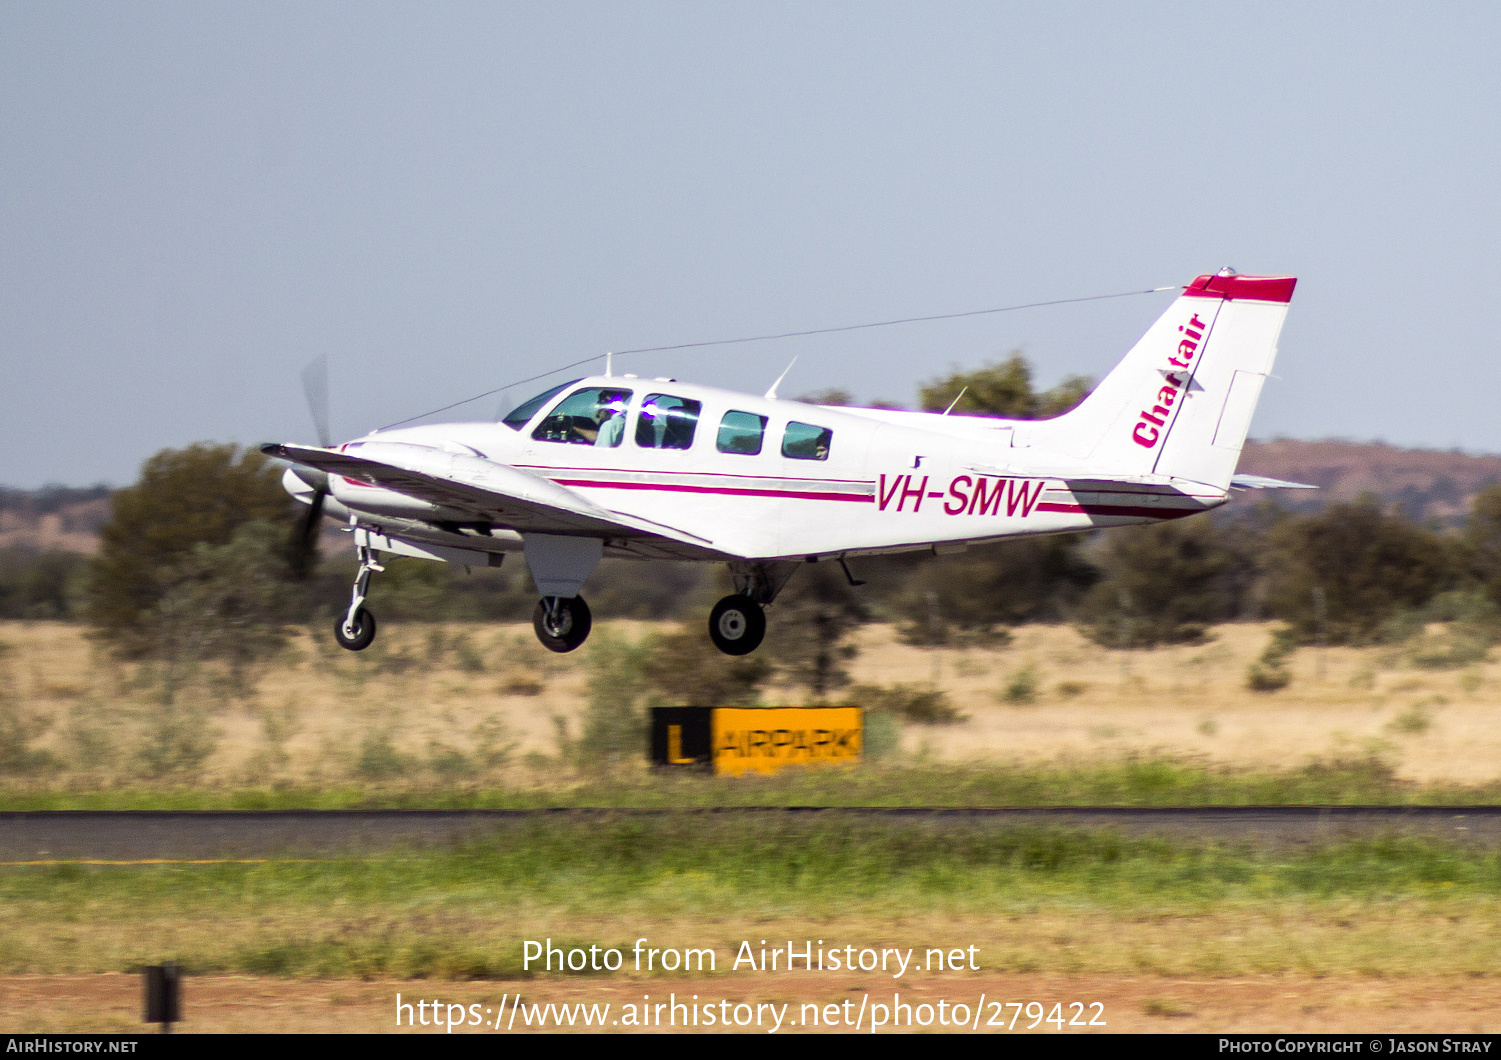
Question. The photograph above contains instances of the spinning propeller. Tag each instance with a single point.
(305, 536)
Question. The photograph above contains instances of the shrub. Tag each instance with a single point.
(1270, 673)
(1412, 722)
(18, 728)
(1022, 688)
(1267, 676)
(178, 739)
(379, 760)
(912, 703)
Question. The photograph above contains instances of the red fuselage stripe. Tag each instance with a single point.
(701, 474)
(731, 491)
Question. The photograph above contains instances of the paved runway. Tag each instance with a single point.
(136, 835)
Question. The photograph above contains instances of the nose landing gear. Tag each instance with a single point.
(356, 635)
(356, 630)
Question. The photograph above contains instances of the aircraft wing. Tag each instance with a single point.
(473, 488)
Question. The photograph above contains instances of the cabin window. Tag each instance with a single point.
(804, 441)
(592, 416)
(667, 422)
(522, 414)
(741, 432)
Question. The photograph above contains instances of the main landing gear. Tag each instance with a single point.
(737, 625)
(562, 622)
(356, 630)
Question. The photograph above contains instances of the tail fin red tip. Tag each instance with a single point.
(1254, 288)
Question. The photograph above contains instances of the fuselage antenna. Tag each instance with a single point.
(771, 395)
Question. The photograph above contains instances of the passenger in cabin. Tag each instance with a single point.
(806, 441)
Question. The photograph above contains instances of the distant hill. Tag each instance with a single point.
(54, 518)
(1429, 485)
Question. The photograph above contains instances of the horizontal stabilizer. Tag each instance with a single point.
(1260, 482)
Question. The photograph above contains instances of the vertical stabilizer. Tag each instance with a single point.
(1181, 401)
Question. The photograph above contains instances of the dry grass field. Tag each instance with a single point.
(1092, 703)
(492, 694)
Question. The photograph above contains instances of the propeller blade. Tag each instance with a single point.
(305, 537)
(315, 389)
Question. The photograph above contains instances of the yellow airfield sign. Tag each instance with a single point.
(736, 740)
(766, 739)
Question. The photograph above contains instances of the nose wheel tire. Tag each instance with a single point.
(359, 637)
(562, 624)
(737, 625)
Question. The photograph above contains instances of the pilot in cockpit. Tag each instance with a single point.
(610, 417)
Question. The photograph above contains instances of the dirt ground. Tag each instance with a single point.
(245, 1004)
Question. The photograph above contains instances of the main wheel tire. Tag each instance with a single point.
(570, 627)
(364, 631)
(737, 625)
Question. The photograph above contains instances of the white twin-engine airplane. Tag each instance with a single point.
(657, 469)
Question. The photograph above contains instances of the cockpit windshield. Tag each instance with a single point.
(519, 416)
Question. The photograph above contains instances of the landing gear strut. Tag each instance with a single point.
(356, 630)
(737, 625)
(562, 622)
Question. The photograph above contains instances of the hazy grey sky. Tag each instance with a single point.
(197, 199)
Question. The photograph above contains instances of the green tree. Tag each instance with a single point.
(1004, 584)
(37, 584)
(682, 670)
(185, 498)
(614, 723)
(227, 603)
(1004, 388)
(831, 396)
(1351, 568)
(1165, 583)
(1481, 541)
(811, 627)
